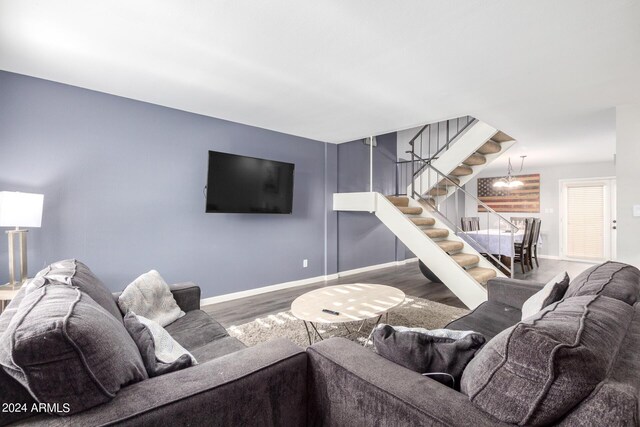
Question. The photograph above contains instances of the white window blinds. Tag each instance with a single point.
(585, 221)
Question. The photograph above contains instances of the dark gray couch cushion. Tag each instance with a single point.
(218, 348)
(442, 358)
(67, 349)
(74, 273)
(614, 402)
(538, 370)
(611, 279)
(143, 338)
(195, 329)
(490, 318)
(11, 391)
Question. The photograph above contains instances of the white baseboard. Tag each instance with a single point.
(559, 258)
(549, 257)
(375, 267)
(302, 282)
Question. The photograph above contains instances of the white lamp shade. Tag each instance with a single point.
(20, 209)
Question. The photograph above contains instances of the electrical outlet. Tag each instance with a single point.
(305, 263)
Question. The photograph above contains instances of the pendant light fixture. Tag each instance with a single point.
(509, 181)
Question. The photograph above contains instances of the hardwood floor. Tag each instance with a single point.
(407, 278)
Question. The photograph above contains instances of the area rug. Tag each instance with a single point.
(413, 312)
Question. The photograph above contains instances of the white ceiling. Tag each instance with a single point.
(547, 72)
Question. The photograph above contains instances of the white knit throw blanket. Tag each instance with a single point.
(149, 296)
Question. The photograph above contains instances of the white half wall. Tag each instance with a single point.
(549, 197)
(628, 182)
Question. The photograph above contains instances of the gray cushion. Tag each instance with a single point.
(218, 348)
(611, 279)
(67, 349)
(615, 401)
(196, 329)
(538, 370)
(75, 273)
(490, 318)
(143, 338)
(11, 391)
(442, 355)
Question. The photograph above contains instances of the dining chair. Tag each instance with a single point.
(521, 249)
(470, 223)
(533, 247)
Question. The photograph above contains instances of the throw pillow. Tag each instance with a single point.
(144, 340)
(150, 296)
(68, 351)
(441, 354)
(611, 279)
(72, 272)
(552, 292)
(167, 349)
(537, 371)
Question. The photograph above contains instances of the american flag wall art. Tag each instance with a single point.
(518, 199)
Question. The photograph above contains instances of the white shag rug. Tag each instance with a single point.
(413, 312)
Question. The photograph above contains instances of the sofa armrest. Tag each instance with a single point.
(512, 292)
(187, 295)
(352, 385)
(261, 385)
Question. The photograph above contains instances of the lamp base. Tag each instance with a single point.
(11, 234)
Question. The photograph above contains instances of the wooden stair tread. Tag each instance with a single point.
(501, 137)
(423, 221)
(465, 260)
(490, 147)
(435, 233)
(399, 200)
(410, 210)
(450, 245)
(481, 274)
(447, 182)
(462, 171)
(437, 191)
(475, 159)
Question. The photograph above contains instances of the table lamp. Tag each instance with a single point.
(19, 210)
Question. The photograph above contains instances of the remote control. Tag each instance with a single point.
(335, 313)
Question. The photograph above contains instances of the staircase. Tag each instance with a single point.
(419, 216)
(466, 155)
(444, 239)
(451, 258)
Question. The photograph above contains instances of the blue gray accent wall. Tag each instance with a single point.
(362, 239)
(123, 183)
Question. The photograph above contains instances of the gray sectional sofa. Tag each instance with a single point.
(575, 363)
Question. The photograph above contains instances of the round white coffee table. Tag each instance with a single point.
(345, 303)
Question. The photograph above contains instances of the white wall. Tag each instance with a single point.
(549, 197)
(628, 174)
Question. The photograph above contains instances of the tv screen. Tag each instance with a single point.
(240, 184)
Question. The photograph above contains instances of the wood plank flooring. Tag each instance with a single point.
(407, 278)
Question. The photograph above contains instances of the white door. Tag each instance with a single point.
(588, 219)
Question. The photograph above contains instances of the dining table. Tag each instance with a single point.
(494, 241)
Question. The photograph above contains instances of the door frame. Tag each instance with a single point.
(610, 239)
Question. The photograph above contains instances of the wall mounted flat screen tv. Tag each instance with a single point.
(240, 184)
